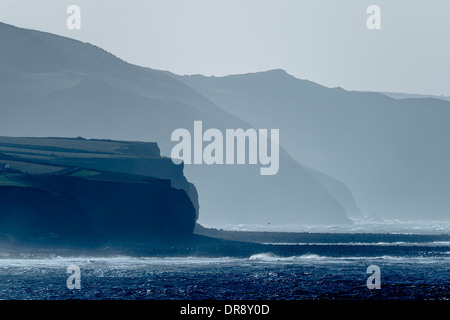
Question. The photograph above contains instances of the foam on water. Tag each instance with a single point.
(314, 258)
(108, 262)
(126, 262)
(260, 276)
(268, 256)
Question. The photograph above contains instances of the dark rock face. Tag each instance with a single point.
(128, 157)
(155, 166)
(129, 210)
(77, 210)
(30, 214)
(82, 191)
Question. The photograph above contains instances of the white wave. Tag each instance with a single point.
(121, 265)
(442, 243)
(265, 257)
(269, 257)
(108, 262)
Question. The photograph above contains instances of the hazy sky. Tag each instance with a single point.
(326, 41)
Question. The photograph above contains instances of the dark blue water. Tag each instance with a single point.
(262, 276)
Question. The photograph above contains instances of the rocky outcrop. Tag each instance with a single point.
(127, 207)
(77, 210)
(130, 157)
(34, 215)
(79, 191)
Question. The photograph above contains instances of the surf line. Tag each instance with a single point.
(235, 147)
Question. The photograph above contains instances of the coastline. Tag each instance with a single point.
(213, 243)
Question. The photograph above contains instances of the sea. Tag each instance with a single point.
(419, 272)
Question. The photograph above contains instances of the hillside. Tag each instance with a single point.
(65, 88)
(392, 154)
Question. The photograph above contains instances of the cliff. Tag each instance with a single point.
(62, 87)
(391, 154)
(33, 215)
(78, 191)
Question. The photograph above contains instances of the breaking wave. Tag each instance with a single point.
(271, 257)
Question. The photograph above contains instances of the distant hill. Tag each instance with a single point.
(391, 153)
(55, 86)
(398, 95)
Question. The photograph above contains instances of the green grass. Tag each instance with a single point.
(84, 173)
(68, 143)
(75, 147)
(7, 181)
(33, 168)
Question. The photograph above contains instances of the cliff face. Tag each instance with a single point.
(30, 214)
(124, 208)
(391, 153)
(82, 191)
(77, 210)
(131, 157)
(62, 87)
(157, 167)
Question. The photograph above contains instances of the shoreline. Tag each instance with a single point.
(212, 243)
(316, 237)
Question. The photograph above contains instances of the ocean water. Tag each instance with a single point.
(260, 276)
(355, 226)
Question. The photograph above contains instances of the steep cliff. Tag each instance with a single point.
(78, 191)
(33, 215)
(132, 157)
(62, 87)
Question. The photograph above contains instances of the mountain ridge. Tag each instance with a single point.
(390, 153)
(111, 99)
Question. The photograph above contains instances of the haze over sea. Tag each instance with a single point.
(356, 226)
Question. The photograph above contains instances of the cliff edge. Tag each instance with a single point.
(78, 191)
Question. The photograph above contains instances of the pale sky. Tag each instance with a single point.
(326, 41)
